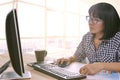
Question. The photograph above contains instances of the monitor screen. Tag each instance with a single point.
(14, 44)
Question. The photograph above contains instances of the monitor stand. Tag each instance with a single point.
(14, 75)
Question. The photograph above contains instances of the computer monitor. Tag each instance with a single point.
(14, 48)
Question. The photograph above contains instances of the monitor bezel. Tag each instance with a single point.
(14, 48)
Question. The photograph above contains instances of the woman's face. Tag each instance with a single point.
(96, 25)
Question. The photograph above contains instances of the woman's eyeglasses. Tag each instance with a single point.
(93, 20)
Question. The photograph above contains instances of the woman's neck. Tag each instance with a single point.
(98, 36)
(97, 40)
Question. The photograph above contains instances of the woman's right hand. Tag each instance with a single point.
(67, 60)
(62, 60)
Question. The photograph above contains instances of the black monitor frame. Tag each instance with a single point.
(13, 42)
(14, 48)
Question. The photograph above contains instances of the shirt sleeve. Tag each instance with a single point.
(80, 52)
(119, 53)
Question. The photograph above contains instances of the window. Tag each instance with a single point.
(54, 25)
(4, 9)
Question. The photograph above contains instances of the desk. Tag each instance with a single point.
(27, 59)
(36, 75)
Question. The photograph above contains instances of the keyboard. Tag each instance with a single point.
(57, 72)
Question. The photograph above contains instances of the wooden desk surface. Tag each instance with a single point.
(27, 59)
(36, 75)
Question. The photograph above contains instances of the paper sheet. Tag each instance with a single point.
(103, 75)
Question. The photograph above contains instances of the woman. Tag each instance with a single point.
(102, 44)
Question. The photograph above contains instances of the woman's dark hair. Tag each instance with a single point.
(110, 17)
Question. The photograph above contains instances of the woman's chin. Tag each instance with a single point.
(93, 32)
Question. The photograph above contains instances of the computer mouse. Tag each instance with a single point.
(64, 64)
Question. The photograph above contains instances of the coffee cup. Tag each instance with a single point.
(40, 55)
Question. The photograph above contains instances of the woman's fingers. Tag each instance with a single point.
(84, 71)
(61, 60)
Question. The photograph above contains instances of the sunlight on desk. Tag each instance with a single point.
(28, 58)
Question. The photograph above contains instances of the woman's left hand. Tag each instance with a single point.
(91, 69)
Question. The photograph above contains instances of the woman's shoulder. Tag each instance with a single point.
(88, 36)
(116, 38)
(117, 35)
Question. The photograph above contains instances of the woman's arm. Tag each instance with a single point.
(92, 69)
(113, 66)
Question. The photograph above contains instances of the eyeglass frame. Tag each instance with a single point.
(93, 20)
